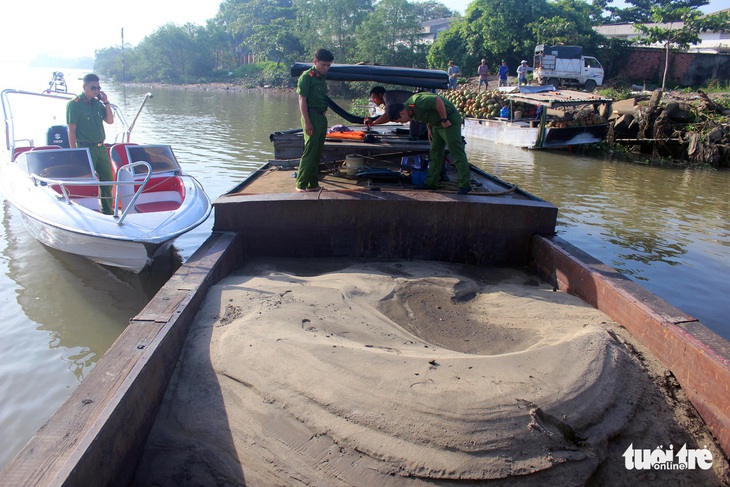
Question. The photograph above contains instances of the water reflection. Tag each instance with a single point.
(82, 306)
(665, 227)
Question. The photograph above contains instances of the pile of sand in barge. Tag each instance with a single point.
(412, 373)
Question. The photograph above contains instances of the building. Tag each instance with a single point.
(433, 27)
(711, 42)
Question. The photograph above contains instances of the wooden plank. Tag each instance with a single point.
(698, 358)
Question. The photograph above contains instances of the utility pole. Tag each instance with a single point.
(122, 55)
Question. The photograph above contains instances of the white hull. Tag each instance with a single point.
(77, 227)
(519, 134)
(130, 256)
(526, 134)
(56, 189)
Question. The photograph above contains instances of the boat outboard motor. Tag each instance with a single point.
(58, 135)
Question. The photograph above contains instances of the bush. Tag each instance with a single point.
(616, 93)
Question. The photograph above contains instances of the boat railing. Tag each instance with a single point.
(129, 168)
(64, 186)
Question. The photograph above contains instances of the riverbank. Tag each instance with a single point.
(231, 86)
(675, 128)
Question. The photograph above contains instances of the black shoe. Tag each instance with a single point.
(464, 190)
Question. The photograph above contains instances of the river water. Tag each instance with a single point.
(667, 229)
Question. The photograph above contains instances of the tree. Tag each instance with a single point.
(490, 29)
(108, 61)
(392, 35)
(331, 24)
(174, 54)
(679, 28)
(640, 11)
(265, 28)
(432, 10)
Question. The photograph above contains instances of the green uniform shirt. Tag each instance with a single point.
(313, 86)
(422, 108)
(88, 116)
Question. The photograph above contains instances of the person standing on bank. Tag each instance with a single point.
(444, 129)
(503, 71)
(454, 73)
(483, 72)
(85, 115)
(522, 73)
(312, 90)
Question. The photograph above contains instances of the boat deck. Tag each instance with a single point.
(366, 217)
(375, 175)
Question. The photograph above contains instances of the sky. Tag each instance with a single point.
(31, 27)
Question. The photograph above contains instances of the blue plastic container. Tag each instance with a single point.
(418, 177)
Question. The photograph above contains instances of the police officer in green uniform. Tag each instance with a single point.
(444, 127)
(312, 90)
(84, 116)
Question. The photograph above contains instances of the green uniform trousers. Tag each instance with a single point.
(103, 166)
(440, 138)
(313, 148)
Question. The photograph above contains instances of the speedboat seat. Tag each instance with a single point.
(119, 157)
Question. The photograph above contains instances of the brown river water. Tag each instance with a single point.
(667, 229)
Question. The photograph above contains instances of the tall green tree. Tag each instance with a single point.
(679, 28)
(392, 35)
(510, 30)
(568, 22)
(490, 29)
(641, 10)
(331, 24)
(174, 54)
(108, 61)
(432, 10)
(265, 28)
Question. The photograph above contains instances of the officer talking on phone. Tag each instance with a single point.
(85, 115)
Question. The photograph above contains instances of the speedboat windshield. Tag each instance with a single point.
(160, 157)
(57, 163)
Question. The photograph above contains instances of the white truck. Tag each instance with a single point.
(566, 65)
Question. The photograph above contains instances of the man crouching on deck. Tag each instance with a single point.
(444, 128)
(312, 89)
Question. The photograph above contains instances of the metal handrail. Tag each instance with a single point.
(129, 167)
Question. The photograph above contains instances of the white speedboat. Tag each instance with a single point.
(56, 189)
